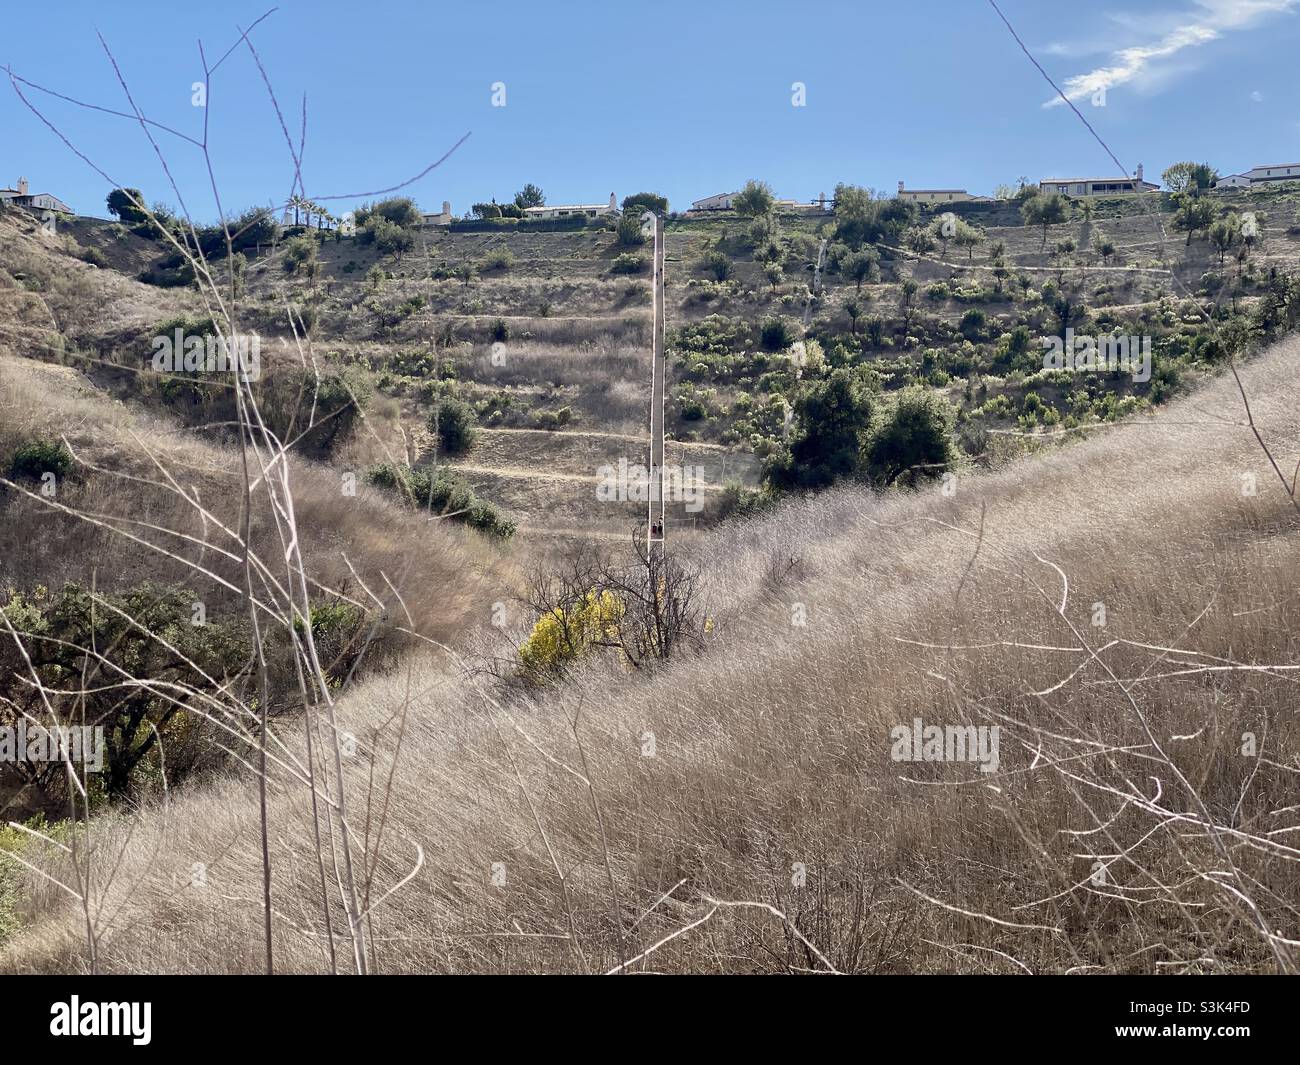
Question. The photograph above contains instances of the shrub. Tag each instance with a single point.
(138, 719)
(453, 423)
(501, 259)
(446, 494)
(563, 635)
(500, 331)
(628, 263)
(628, 230)
(973, 324)
(300, 256)
(717, 264)
(38, 457)
(776, 334)
(337, 631)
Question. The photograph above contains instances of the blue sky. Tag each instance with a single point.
(687, 99)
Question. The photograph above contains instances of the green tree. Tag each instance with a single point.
(645, 201)
(860, 266)
(907, 303)
(1224, 233)
(1193, 178)
(400, 210)
(147, 651)
(968, 237)
(914, 439)
(390, 238)
(834, 419)
(754, 201)
(1044, 210)
(1192, 213)
(854, 308)
(300, 256)
(918, 240)
(530, 196)
(122, 206)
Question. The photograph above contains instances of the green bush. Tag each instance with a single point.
(717, 264)
(300, 256)
(776, 334)
(338, 632)
(139, 720)
(446, 494)
(453, 423)
(628, 230)
(628, 263)
(38, 457)
(501, 259)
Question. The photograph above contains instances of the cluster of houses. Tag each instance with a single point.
(1121, 185)
(1260, 175)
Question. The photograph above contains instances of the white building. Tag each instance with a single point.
(443, 218)
(41, 201)
(1260, 175)
(934, 195)
(568, 210)
(1098, 186)
(722, 201)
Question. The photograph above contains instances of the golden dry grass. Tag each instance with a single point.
(772, 751)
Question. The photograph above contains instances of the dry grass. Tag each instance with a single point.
(117, 480)
(773, 749)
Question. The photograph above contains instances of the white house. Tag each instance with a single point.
(41, 201)
(934, 195)
(443, 218)
(722, 201)
(719, 202)
(568, 210)
(1098, 186)
(1260, 175)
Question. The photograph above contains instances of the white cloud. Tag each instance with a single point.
(1206, 22)
(1257, 96)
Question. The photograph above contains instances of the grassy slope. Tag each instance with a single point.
(773, 748)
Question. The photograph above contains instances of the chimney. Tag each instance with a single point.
(900, 186)
(446, 208)
(613, 202)
(1139, 175)
(22, 186)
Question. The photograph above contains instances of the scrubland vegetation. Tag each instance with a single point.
(387, 686)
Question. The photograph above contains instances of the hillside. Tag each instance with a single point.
(525, 746)
(542, 331)
(1121, 750)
